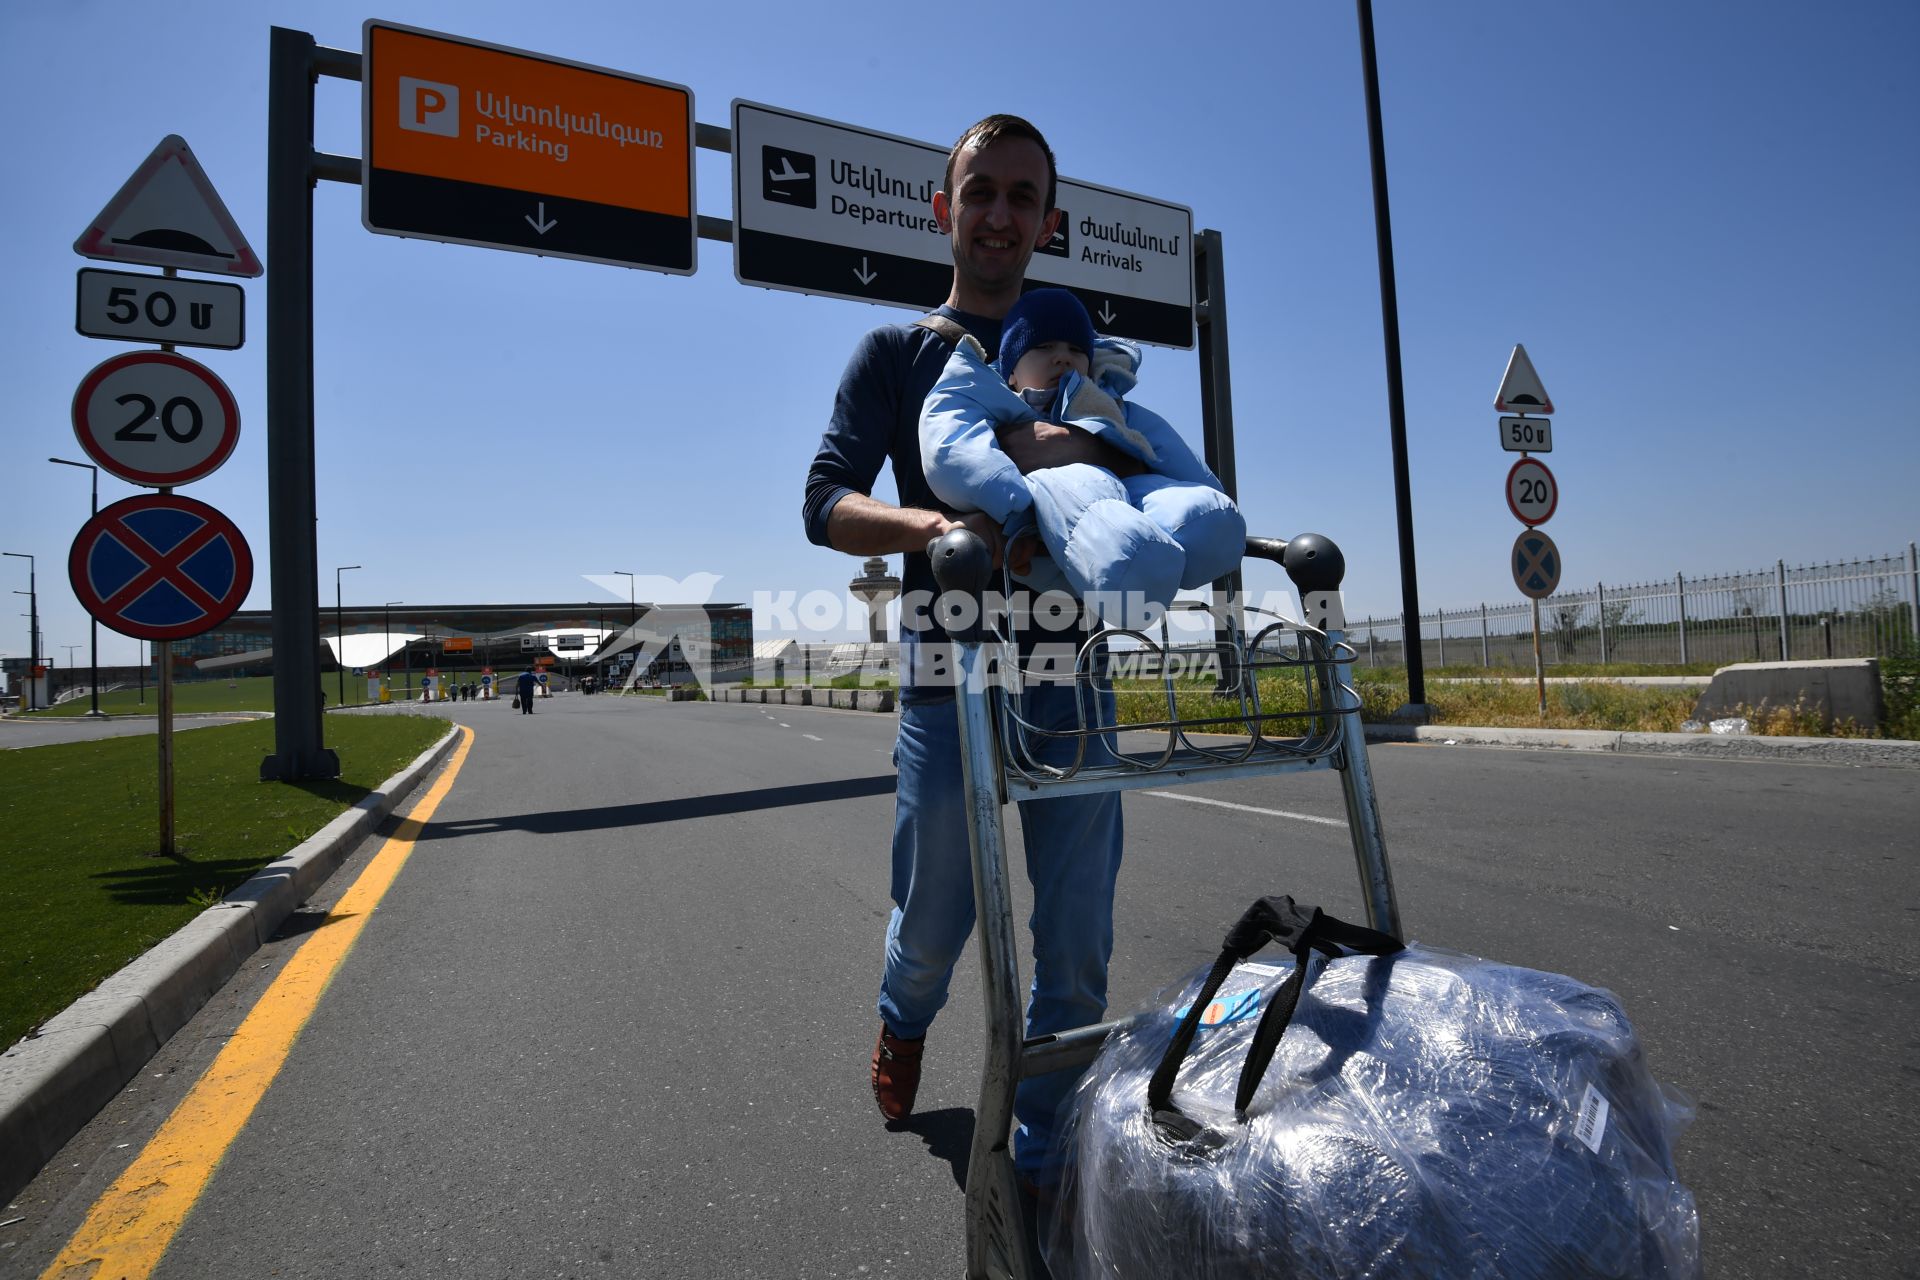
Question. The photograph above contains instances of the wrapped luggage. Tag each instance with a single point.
(1409, 1113)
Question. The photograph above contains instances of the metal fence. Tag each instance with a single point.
(1853, 609)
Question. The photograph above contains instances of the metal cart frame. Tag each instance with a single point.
(999, 761)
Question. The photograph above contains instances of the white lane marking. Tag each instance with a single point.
(785, 725)
(816, 737)
(1247, 808)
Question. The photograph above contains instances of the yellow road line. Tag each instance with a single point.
(134, 1221)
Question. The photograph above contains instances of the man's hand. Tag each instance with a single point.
(1034, 446)
(1021, 551)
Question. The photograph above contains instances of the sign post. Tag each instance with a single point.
(1532, 493)
(161, 567)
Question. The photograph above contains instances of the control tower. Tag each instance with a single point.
(875, 587)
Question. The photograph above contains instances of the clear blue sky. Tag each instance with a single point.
(1699, 218)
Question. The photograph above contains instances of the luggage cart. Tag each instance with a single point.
(1001, 759)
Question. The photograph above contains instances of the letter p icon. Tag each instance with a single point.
(429, 107)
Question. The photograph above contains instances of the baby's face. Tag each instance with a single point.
(1043, 364)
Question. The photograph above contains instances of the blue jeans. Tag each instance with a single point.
(1073, 859)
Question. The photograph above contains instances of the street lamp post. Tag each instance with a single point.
(1396, 398)
(339, 635)
(33, 618)
(93, 656)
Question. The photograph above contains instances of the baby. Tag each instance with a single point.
(1125, 546)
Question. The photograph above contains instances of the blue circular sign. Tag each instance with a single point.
(1536, 565)
(160, 567)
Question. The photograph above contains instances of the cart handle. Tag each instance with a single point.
(962, 563)
(1310, 559)
(963, 568)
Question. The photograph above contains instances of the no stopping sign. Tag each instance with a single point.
(160, 567)
(155, 418)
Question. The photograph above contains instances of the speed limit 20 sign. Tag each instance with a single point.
(155, 418)
(1531, 492)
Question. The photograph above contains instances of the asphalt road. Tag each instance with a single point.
(613, 1017)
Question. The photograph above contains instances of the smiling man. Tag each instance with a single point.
(996, 206)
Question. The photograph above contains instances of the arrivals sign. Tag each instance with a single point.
(473, 143)
(846, 212)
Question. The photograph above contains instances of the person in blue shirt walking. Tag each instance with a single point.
(996, 206)
(525, 684)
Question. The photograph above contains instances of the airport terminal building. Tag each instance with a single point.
(665, 641)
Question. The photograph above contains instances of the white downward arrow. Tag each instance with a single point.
(863, 275)
(1106, 312)
(545, 224)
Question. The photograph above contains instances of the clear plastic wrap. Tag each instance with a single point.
(1425, 1114)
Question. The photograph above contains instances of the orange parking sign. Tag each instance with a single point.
(477, 144)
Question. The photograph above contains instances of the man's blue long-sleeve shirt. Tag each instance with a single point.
(876, 420)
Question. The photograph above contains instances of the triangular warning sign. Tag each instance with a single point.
(169, 215)
(1520, 390)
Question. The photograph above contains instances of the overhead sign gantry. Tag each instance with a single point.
(478, 144)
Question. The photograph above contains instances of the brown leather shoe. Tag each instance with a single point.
(896, 1073)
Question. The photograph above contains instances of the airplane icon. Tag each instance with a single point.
(788, 177)
(1058, 245)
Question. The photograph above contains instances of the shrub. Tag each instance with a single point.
(1900, 687)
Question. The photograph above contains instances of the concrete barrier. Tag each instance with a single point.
(882, 700)
(1836, 691)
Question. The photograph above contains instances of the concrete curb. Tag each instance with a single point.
(1858, 751)
(54, 1082)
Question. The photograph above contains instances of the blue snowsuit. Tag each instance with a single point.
(1123, 546)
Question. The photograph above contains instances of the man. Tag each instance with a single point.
(526, 684)
(996, 206)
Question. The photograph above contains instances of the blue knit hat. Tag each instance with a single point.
(1042, 315)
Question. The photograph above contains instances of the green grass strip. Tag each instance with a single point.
(1582, 706)
(81, 893)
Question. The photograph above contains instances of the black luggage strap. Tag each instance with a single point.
(946, 326)
(1301, 930)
